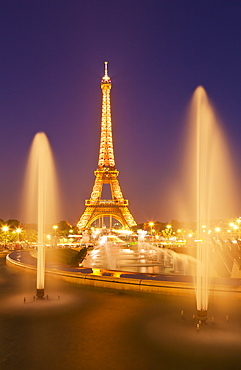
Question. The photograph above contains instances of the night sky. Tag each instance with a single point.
(51, 65)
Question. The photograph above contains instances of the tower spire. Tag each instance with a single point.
(106, 78)
(106, 69)
(106, 154)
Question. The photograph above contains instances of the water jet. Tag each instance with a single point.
(213, 180)
(41, 197)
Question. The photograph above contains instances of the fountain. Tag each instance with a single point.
(211, 167)
(213, 185)
(41, 195)
(141, 258)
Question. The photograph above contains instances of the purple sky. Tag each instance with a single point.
(51, 64)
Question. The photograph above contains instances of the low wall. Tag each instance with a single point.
(129, 284)
(112, 282)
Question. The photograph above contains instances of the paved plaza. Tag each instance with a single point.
(82, 327)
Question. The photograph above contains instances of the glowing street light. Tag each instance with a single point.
(238, 222)
(151, 224)
(217, 229)
(18, 231)
(55, 227)
(5, 230)
(235, 227)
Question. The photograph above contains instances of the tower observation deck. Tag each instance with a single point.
(106, 173)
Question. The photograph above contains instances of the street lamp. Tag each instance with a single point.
(217, 231)
(49, 238)
(55, 227)
(235, 227)
(5, 230)
(18, 231)
(151, 224)
(169, 230)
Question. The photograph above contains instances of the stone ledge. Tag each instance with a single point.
(130, 284)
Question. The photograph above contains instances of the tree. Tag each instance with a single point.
(13, 224)
(64, 228)
(176, 225)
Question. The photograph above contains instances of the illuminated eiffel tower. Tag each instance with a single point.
(117, 207)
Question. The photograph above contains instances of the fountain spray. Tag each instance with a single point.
(214, 188)
(41, 160)
(203, 122)
(41, 195)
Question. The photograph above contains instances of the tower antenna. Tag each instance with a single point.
(106, 69)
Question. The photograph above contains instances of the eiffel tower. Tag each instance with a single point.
(106, 173)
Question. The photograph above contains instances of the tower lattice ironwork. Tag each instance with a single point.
(106, 173)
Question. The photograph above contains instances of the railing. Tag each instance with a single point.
(105, 202)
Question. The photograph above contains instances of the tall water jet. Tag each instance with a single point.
(41, 188)
(211, 184)
(204, 126)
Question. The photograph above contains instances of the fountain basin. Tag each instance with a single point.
(126, 281)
